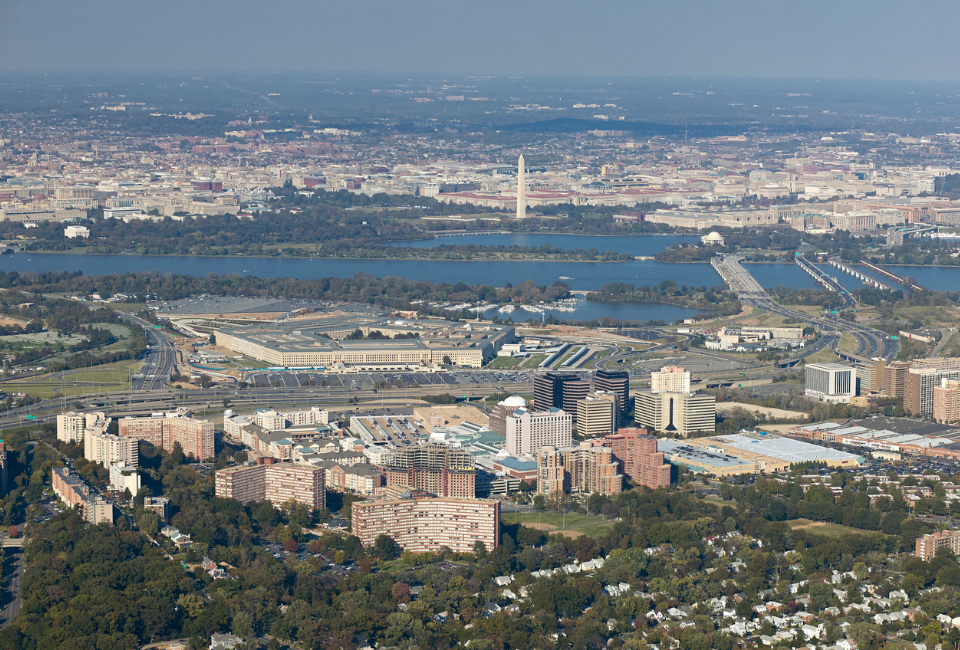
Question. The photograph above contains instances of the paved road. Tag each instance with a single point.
(871, 342)
(10, 597)
(160, 361)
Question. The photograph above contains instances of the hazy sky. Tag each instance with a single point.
(876, 39)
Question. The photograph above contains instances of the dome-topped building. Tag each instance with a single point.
(498, 419)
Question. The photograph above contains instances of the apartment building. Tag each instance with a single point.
(73, 426)
(670, 379)
(423, 525)
(361, 478)
(3, 467)
(273, 420)
(73, 492)
(527, 431)
(105, 449)
(680, 413)
(919, 387)
(164, 430)
(159, 506)
(928, 545)
(637, 457)
(597, 414)
(889, 378)
(433, 467)
(617, 382)
(124, 477)
(830, 382)
(278, 482)
(946, 401)
(578, 469)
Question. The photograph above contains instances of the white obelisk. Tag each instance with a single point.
(521, 188)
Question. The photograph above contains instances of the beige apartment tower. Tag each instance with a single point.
(527, 431)
(597, 415)
(422, 525)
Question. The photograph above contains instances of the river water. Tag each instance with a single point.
(578, 275)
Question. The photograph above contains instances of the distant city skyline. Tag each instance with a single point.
(750, 38)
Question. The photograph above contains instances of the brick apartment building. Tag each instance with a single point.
(71, 489)
(928, 545)
(163, 431)
(637, 457)
(578, 469)
(435, 468)
(425, 524)
(278, 482)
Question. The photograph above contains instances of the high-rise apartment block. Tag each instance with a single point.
(946, 401)
(3, 468)
(670, 379)
(637, 457)
(889, 378)
(164, 430)
(498, 418)
(559, 390)
(527, 431)
(830, 382)
(433, 467)
(597, 414)
(72, 427)
(680, 413)
(420, 525)
(617, 382)
(919, 388)
(105, 448)
(928, 545)
(124, 477)
(579, 469)
(278, 482)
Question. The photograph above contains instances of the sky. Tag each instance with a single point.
(819, 39)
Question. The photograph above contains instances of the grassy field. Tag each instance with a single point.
(827, 529)
(812, 310)
(534, 361)
(848, 343)
(571, 524)
(826, 355)
(505, 362)
(112, 377)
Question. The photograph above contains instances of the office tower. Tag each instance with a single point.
(527, 431)
(670, 379)
(521, 188)
(637, 457)
(559, 390)
(615, 381)
(433, 467)
(597, 415)
(278, 482)
(578, 469)
(680, 413)
(829, 382)
(420, 525)
(165, 429)
(945, 401)
(498, 418)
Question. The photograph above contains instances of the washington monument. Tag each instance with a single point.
(521, 188)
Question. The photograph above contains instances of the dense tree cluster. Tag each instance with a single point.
(713, 299)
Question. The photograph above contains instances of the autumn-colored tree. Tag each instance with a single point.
(291, 545)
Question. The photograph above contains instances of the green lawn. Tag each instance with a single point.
(112, 376)
(551, 522)
(505, 362)
(534, 361)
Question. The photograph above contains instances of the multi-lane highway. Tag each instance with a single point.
(871, 342)
(160, 361)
